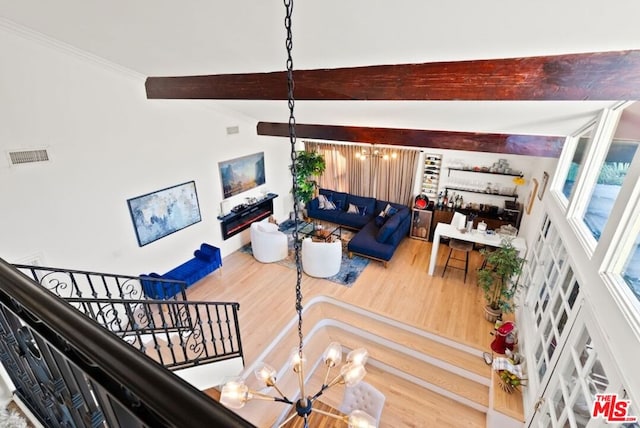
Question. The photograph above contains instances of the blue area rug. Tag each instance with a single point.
(350, 269)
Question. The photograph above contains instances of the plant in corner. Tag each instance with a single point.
(308, 166)
(499, 279)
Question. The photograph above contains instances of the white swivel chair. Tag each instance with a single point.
(268, 244)
(321, 259)
(365, 397)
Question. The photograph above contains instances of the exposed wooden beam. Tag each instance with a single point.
(529, 145)
(586, 76)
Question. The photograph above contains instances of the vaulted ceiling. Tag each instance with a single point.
(197, 37)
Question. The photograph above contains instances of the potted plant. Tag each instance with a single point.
(308, 166)
(499, 279)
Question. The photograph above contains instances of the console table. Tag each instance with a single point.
(444, 229)
(235, 222)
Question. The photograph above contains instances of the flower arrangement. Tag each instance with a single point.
(509, 371)
(518, 181)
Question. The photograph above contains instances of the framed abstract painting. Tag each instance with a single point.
(160, 213)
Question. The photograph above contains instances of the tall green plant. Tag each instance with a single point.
(499, 278)
(308, 166)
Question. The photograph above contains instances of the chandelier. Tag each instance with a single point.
(235, 394)
(375, 152)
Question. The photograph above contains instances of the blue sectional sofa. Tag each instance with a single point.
(205, 260)
(375, 239)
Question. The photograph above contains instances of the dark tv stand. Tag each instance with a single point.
(235, 222)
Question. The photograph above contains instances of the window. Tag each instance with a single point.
(631, 270)
(610, 178)
(576, 163)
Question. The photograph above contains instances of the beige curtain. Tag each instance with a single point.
(389, 180)
(395, 178)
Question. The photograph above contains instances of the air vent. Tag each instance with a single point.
(28, 156)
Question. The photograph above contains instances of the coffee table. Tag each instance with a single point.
(323, 233)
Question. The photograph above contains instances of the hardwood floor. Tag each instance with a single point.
(403, 291)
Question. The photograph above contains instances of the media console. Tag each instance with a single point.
(235, 222)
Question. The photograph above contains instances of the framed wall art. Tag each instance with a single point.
(532, 195)
(160, 213)
(543, 185)
(241, 174)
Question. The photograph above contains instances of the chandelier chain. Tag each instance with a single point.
(292, 139)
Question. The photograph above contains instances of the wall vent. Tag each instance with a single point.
(28, 156)
(233, 130)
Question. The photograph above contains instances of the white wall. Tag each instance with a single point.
(108, 143)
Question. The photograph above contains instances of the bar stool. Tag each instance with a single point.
(458, 245)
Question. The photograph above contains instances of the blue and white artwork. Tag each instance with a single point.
(161, 213)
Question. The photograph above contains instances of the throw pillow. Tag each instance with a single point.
(329, 205)
(354, 209)
(322, 200)
(380, 219)
(389, 210)
(325, 203)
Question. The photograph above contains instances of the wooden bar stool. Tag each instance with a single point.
(458, 245)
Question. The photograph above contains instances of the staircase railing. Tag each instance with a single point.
(85, 284)
(70, 371)
(176, 334)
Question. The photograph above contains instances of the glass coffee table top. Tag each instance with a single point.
(320, 231)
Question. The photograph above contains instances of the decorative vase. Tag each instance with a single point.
(490, 314)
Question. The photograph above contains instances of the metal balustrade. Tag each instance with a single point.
(84, 284)
(176, 334)
(70, 365)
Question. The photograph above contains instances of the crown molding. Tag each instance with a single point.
(65, 48)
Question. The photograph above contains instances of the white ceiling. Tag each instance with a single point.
(166, 37)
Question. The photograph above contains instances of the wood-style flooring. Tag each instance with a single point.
(403, 291)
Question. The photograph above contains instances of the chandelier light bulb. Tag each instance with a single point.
(297, 360)
(394, 155)
(352, 373)
(360, 419)
(385, 156)
(234, 394)
(333, 354)
(266, 374)
(358, 356)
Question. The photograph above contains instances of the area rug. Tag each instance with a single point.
(350, 269)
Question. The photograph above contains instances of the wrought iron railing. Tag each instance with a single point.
(71, 372)
(176, 334)
(84, 284)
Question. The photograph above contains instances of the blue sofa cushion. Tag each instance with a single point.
(199, 254)
(381, 219)
(391, 225)
(365, 243)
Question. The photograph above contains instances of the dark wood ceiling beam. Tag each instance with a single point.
(529, 145)
(586, 76)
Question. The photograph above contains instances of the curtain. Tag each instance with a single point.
(395, 178)
(390, 180)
